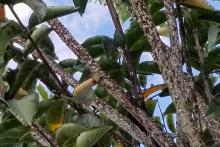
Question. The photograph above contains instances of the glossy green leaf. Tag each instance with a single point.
(122, 10)
(81, 4)
(170, 122)
(55, 114)
(213, 34)
(38, 6)
(25, 107)
(38, 35)
(90, 137)
(119, 39)
(8, 30)
(51, 12)
(170, 109)
(42, 92)
(24, 71)
(68, 131)
(150, 106)
(148, 67)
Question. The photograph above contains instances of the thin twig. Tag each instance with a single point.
(132, 72)
(162, 115)
(38, 50)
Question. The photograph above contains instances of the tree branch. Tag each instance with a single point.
(132, 72)
(111, 86)
(180, 84)
(111, 113)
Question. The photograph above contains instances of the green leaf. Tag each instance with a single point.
(142, 80)
(71, 65)
(55, 114)
(89, 120)
(8, 30)
(214, 107)
(38, 6)
(42, 92)
(81, 4)
(158, 121)
(68, 131)
(170, 109)
(150, 106)
(164, 93)
(25, 107)
(122, 10)
(24, 70)
(213, 35)
(90, 137)
(170, 122)
(43, 107)
(94, 40)
(11, 133)
(119, 39)
(52, 12)
(148, 67)
(38, 35)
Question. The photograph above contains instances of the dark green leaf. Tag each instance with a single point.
(8, 30)
(148, 67)
(150, 106)
(81, 4)
(119, 39)
(68, 131)
(38, 35)
(170, 109)
(170, 122)
(90, 137)
(214, 107)
(51, 12)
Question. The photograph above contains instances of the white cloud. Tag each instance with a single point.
(94, 18)
(22, 10)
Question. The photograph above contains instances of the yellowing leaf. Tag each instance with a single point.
(55, 126)
(83, 88)
(197, 3)
(163, 31)
(20, 93)
(153, 89)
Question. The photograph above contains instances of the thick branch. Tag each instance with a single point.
(121, 120)
(113, 88)
(180, 84)
(111, 113)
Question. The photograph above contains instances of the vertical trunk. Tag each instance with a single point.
(181, 85)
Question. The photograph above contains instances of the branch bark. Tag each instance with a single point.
(132, 72)
(113, 88)
(179, 83)
(123, 122)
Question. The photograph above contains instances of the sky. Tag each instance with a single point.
(95, 21)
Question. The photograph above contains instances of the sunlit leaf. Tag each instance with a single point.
(25, 107)
(90, 137)
(55, 115)
(170, 122)
(153, 89)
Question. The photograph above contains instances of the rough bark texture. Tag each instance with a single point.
(106, 109)
(113, 88)
(180, 84)
(123, 122)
